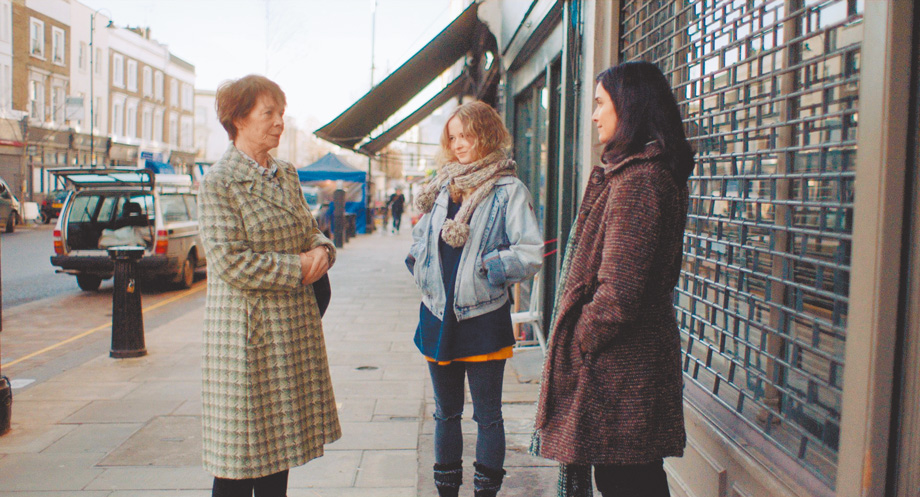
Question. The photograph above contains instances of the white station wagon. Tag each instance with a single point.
(117, 207)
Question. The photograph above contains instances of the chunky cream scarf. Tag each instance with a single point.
(478, 177)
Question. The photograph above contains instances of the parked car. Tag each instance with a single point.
(111, 207)
(9, 207)
(320, 210)
(51, 207)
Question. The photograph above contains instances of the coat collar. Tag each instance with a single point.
(651, 151)
(243, 172)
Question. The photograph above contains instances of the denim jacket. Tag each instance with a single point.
(504, 247)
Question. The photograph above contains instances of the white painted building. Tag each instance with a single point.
(210, 137)
(89, 35)
(6, 58)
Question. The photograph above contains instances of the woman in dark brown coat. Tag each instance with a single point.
(612, 385)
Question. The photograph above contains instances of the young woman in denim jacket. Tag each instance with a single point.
(478, 236)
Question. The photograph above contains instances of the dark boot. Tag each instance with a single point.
(448, 478)
(487, 481)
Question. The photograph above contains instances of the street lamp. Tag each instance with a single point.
(92, 87)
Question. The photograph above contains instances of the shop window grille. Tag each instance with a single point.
(769, 93)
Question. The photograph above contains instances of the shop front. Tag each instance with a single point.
(12, 149)
(46, 149)
(122, 154)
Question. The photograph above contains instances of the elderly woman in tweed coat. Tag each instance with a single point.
(267, 397)
(612, 385)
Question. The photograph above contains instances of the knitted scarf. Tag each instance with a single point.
(477, 177)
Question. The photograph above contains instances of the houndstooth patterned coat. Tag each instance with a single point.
(267, 400)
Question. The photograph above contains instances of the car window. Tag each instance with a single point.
(110, 205)
(83, 208)
(146, 203)
(173, 208)
(192, 202)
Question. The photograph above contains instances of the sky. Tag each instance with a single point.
(318, 51)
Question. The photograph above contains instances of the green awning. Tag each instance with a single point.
(357, 122)
(379, 142)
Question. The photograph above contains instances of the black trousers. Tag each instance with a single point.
(397, 219)
(637, 480)
(266, 486)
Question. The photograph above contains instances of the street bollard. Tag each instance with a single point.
(6, 404)
(127, 320)
(338, 220)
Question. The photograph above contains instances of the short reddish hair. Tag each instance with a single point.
(481, 121)
(236, 98)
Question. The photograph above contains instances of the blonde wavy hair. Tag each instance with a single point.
(484, 124)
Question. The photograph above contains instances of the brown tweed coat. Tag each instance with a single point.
(267, 400)
(612, 384)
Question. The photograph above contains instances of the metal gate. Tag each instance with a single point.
(769, 93)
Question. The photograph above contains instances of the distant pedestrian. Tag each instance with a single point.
(267, 400)
(477, 237)
(611, 395)
(397, 203)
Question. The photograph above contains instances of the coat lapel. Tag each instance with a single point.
(256, 183)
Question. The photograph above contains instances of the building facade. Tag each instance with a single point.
(12, 145)
(89, 89)
(40, 85)
(806, 162)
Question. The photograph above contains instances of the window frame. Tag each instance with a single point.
(118, 70)
(131, 65)
(58, 46)
(39, 41)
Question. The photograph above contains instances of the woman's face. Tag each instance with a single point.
(462, 145)
(263, 126)
(605, 116)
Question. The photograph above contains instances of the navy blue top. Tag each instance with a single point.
(451, 339)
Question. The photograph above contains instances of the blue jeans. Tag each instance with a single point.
(485, 380)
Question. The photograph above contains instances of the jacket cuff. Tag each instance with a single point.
(495, 270)
(410, 263)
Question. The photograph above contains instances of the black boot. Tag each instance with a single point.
(487, 481)
(448, 478)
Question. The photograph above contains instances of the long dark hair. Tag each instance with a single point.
(646, 111)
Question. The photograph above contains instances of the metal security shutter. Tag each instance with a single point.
(768, 90)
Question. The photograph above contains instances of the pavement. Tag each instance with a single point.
(93, 426)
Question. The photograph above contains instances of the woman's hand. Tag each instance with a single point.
(314, 264)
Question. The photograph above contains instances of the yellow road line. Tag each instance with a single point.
(103, 327)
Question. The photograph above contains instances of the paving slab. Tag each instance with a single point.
(152, 478)
(387, 468)
(164, 441)
(101, 438)
(48, 472)
(337, 468)
(377, 436)
(123, 411)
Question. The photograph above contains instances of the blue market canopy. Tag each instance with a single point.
(327, 172)
(330, 167)
(159, 167)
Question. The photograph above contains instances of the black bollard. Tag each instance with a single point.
(127, 320)
(6, 404)
(338, 220)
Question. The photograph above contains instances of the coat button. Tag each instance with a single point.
(596, 179)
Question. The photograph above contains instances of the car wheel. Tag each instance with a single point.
(45, 217)
(88, 282)
(11, 222)
(187, 272)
